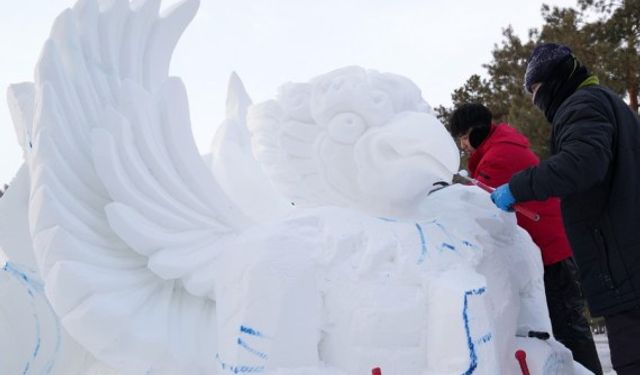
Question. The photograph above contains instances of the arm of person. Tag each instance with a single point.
(585, 152)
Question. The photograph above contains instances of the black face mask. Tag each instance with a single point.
(565, 80)
(544, 98)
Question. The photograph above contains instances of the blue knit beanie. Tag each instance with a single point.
(543, 61)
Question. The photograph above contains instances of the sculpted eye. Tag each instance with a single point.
(346, 127)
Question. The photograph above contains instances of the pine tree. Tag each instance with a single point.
(618, 30)
(503, 93)
(608, 46)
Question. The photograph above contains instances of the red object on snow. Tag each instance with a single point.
(517, 207)
(376, 371)
(521, 356)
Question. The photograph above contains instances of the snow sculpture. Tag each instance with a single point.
(154, 269)
(235, 168)
(353, 138)
(33, 340)
(15, 239)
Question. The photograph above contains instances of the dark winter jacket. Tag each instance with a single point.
(595, 170)
(503, 153)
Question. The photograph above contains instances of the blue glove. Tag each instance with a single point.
(503, 198)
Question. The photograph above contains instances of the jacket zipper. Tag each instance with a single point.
(604, 252)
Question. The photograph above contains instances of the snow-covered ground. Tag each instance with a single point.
(602, 344)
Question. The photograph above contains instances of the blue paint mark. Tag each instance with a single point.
(51, 362)
(448, 246)
(388, 219)
(423, 245)
(28, 279)
(247, 369)
(36, 350)
(23, 275)
(473, 356)
(445, 231)
(469, 244)
(484, 339)
(239, 369)
(251, 331)
(250, 349)
(32, 286)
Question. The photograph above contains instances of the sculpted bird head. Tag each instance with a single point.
(354, 138)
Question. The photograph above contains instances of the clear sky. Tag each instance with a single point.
(437, 44)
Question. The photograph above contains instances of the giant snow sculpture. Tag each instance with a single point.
(362, 262)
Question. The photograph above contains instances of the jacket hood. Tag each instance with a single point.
(504, 133)
(500, 134)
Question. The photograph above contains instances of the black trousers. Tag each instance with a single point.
(624, 341)
(566, 310)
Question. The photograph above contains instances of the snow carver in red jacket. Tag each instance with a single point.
(497, 152)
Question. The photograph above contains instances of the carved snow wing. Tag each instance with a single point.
(123, 210)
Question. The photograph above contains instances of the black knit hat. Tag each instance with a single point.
(543, 61)
(473, 116)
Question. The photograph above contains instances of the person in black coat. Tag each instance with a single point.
(595, 170)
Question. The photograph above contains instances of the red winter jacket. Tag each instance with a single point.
(503, 153)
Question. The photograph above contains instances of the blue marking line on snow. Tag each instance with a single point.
(471, 245)
(23, 275)
(239, 369)
(444, 230)
(388, 219)
(484, 339)
(251, 350)
(36, 350)
(448, 246)
(54, 356)
(250, 331)
(30, 280)
(423, 245)
(473, 356)
(51, 362)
